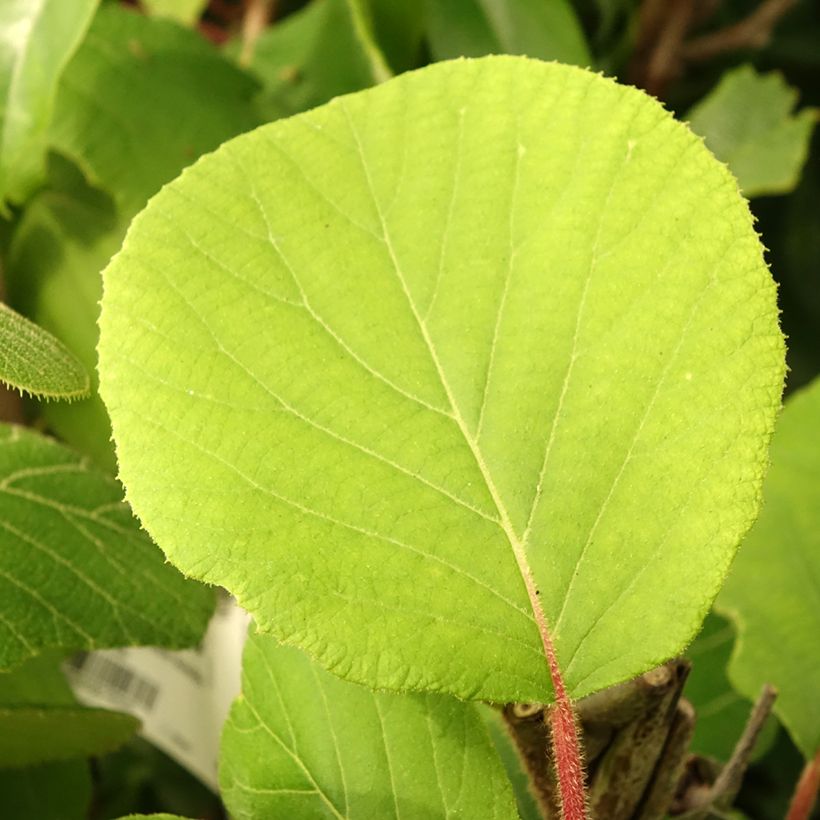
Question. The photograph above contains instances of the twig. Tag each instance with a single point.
(727, 784)
(257, 14)
(753, 31)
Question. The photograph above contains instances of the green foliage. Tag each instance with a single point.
(37, 38)
(721, 711)
(514, 384)
(66, 236)
(186, 12)
(33, 361)
(747, 121)
(547, 29)
(75, 570)
(491, 342)
(141, 99)
(301, 743)
(772, 593)
(40, 721)
(310, 57)
(50, 791)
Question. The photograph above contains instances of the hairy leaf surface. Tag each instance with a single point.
(35, 362)
(75, 570)
(773, 590)
(747, 121)
(300, 743)
(480, 356)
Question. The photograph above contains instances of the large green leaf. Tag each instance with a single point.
(37, 38)
(300, 743)
(491, 343)
(52, 791)
(35, 362)
(141, 99)
(547, 29)
(64, 239)
(75, 570)
(773, 590)
(747, 121)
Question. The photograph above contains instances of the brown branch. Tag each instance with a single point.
(753, 31)
(257, 15)
(805, 795)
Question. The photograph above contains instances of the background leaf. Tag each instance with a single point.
(63, 240)
(75, 570)
(547, 29)
(720, 711)
(747, 121)
(141, 99)
(300, 743)
(40, 720)
(772, 593)
(35, 362)
(186, 12)
(352, 391)
(311, 56)
(37, 38)
(51, 791)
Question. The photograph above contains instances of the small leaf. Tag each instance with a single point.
(159, 94)
(721, 712)
(37, 38)
(300, 743)
(772, 593)
(547, 29)
(487, 353)
(75, 570)
(51, 791)
(35, 362)
(747, 121)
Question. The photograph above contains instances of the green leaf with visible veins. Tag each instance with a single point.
(141, 99)
(300, 743)
(773, 591)
(480, 360)
(75, 570)
(747, 121)
(35, 362)
(37, 38)
(547, 29)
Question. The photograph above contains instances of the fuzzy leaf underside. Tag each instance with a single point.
(35, 362)
(300, 743)
(490, 321)
(773, 591)
(75, 570)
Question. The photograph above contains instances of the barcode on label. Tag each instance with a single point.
(102, 674)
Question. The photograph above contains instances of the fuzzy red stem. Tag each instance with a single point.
(805, 794)
(566, 745)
